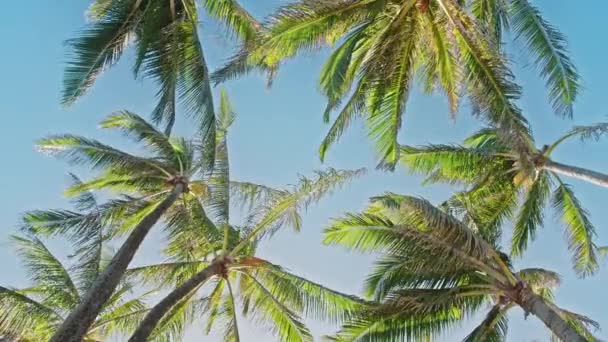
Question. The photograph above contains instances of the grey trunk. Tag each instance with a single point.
(76, 325)
(536, 305)
(153, 317)
(590, 176)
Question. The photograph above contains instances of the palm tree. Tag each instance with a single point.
(492, 170)
(213, 257)
(156, 179)
(167, 49)
(435, 271)
(34, 313)
(384, 44)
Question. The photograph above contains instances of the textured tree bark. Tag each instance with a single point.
(537, 306)
(76, 325)
(153, 317)
(590, 176)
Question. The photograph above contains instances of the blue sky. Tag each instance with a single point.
(276, 137)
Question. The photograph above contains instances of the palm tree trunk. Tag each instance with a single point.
(153, 317)
(590, 176)
(536, 305)
(76, 325)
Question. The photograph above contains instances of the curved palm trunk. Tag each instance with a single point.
(76, 325)
(590, 176)
(153, 317)
(536, 305)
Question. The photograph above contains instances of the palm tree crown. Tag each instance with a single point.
(494, 172)
(212, 262)
(384, 44)
(435, 271)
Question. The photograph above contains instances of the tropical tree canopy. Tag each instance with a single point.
(383, 45)
(212, 265)
(519, 187)
(435, 271)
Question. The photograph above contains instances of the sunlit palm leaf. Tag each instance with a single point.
(580, 230)
(548, 46)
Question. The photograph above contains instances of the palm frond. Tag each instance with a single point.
(140, 130)
(530, 216)
(285, 209)
(47, 273)
(493, 328)
(281, 320)
(548, 46)
(99, 46)
(234, 17)
(579, 229)
(306, 297)
(490, 83)
(24, 317)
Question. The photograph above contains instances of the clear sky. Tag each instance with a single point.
(276, 137)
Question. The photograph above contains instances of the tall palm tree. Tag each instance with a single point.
(492, 170)
(216, 259)
(167, 49)
(384, 44)
(155, 179)
(34, 313)
(435, 270)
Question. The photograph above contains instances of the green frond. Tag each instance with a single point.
(270, 310)
(340, 70)
(591, 132)
(579, 229)
(443, 66)
(308, 298)
(493, 15)
(447, 163)
(530, 216)
(99, 46)
(192, 235)
(490, 84)
(232, 328)
(363, 232)
(24, 317)
(248, 195)
(122, 319)
(582, 324)
(284, 209)
(410, 315)
(388, 95)
(172, 326)
(213, 305)
(493, 328)
(47, 273)
(308, 24)
(548, 46)
(80, 150)
(164, 275)
(140, 130)
(392, 272)
(234, 17)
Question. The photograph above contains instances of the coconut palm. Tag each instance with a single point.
(383, 45)
(167, 49)
(154, 180)
(435, 271)
(213, 263)
(492, 170)
(34, 313)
